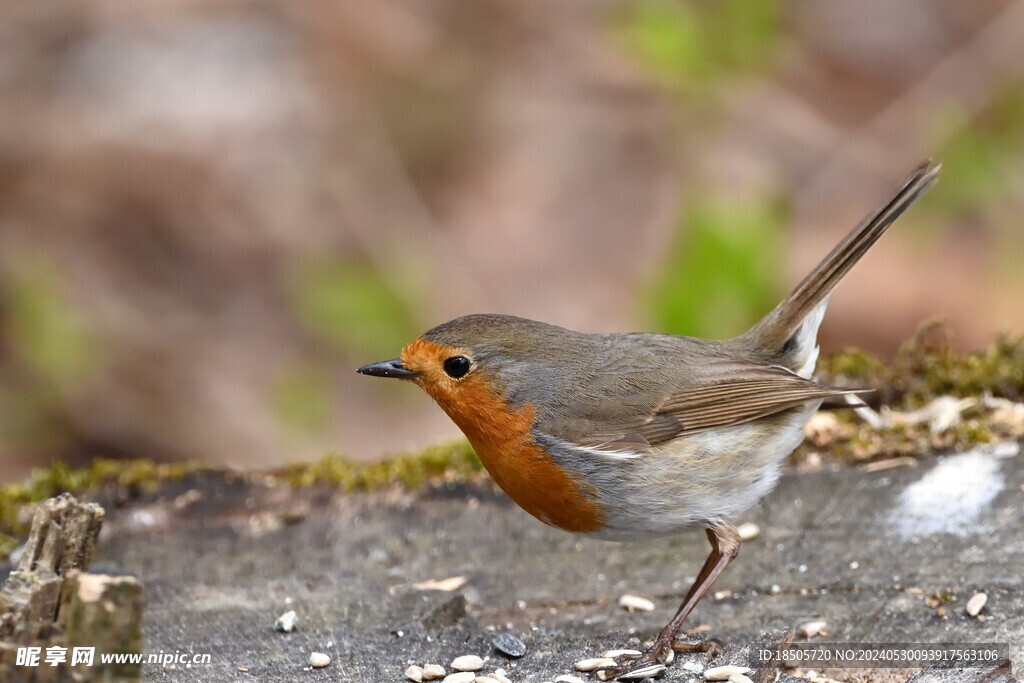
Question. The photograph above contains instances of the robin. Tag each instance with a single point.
(634, 436)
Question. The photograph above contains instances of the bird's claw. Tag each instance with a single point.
(637, 672)
(629, 667)
(656, 660)
(709, 646)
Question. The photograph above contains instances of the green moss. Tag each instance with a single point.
(924, 368)
(927, 366)
(853, 363)
(922, 371)
(59, 478)
(451, 460)
(861, 443)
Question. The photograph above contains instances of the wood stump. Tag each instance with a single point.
(54, 617)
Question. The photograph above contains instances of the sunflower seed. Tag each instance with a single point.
(649, 671)
(508, 644)
(414, 673)
(722, 673)
(594, 663)
(448, 585)
(976, 604)
(748, 531)
(634, 603)
(618, 653)
(461, 677)
(467, 663)
(739, 678)
(432, 672)
(498, 675)
(319, 660)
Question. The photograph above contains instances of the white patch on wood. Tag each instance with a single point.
(951, 498)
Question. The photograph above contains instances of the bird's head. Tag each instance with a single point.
(469, 363)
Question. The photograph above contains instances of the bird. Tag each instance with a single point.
(636, 436)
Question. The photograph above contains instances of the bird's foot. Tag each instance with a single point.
(656, 660)
(709, 646)
(650, 664)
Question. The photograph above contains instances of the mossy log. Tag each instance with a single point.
(49, 603)
(62, 539)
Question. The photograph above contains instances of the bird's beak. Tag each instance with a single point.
(388, 368)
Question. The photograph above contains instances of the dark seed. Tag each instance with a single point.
(508, 644)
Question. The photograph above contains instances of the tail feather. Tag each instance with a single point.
(777, 332)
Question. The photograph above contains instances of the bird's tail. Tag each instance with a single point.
(783, 331)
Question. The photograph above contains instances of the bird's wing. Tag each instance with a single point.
(720, 394)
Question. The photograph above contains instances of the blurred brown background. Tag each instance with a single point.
(212, 212)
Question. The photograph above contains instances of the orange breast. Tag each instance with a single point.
(529, 475)
(502, 439)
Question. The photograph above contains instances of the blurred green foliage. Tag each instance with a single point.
(977, 154)
(351, 307)
(980, 161)
(721, 272)
(302, 400)
(43, 328)
(690, 43)
(52, 347)
(29, 416)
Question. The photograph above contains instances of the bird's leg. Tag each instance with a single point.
(725, 545)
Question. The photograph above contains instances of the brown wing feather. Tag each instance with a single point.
(734, 394)
(741, 404)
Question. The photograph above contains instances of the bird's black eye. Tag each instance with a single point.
(457, 366)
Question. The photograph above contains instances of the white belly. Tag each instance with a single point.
(697, 479)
